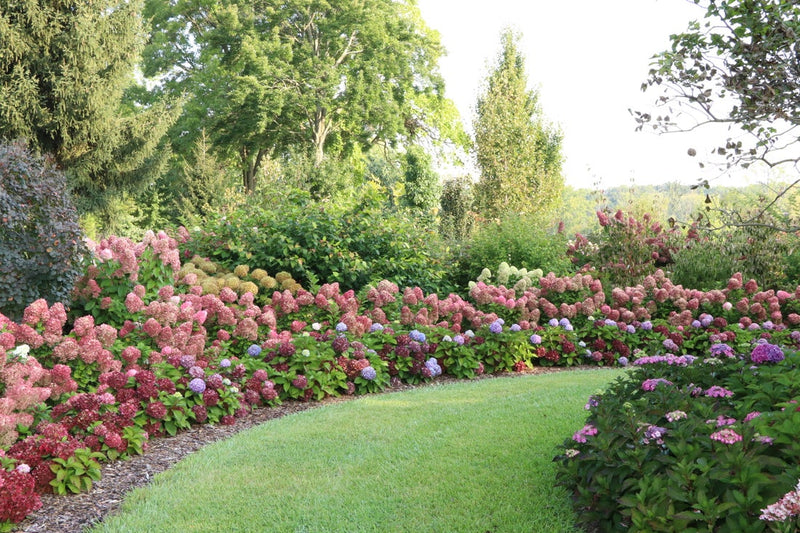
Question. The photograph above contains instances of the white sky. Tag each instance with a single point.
(588, 59)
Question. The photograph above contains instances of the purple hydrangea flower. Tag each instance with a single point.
(670, 345)
(341, 327)
(536, 339)
(187, 361)
(553, 322)
(655, 433)
(368, 373)
(197, 385)
(433, 365)
(721, 349)
(225, 363)
(623, 361)
(376, 327)
(458, 339)
(630, 329)
(197, 372)
(766, 353)
(568, 327)
(647, 325)
(718, 392)
(696, 324)
(496, 327)
(254, 350)
(515, 327)
(564, 322)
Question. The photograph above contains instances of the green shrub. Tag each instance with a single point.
(41, 244)
(520, 241)
(758, 252)
(697, 446)
(317, 242)
(626, 250)
(455, 217)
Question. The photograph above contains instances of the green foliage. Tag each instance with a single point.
(758, 253)
(62, 75)
(76, 473)
(625, 477)
(519, 155)
(739, 67)
(521, 241)
(41, 244)
(422, 189)
(317, 242)
(455, 217)
(626, 250)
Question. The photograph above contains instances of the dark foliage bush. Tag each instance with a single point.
(41, 243)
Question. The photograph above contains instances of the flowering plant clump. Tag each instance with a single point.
(660, 457)
(151, 347)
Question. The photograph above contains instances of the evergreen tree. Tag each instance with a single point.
(64, 65)
(519, 155)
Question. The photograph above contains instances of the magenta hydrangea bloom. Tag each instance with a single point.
(651, 384)
(718, 392)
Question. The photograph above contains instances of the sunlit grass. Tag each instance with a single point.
(471, 457)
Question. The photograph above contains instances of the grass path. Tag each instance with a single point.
(467, 457)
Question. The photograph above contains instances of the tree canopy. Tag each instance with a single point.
(518, 153)
(63, 68)
(264, 78)
(740, 67)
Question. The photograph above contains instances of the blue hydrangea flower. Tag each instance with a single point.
(502, 322)
(458, 339)
(564, 322)
(568, 327)
(610, 322)
(225, 363)
(376, 327)
(433, 365)
(416, 335)
(254, 350)
(623, 361)
(368, 373)
(341, 327)
(553, 322)
(516, 327)
(197, 385)
(536, 339)
(630, 329)
(496, 327)
(696, 324)
(647, 325)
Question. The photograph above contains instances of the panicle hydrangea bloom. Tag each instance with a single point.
(726, 436)
(368, 373)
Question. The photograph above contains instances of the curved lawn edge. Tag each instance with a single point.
(468, 456)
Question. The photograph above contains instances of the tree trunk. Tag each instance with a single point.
(250, 167)
(321, 127)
